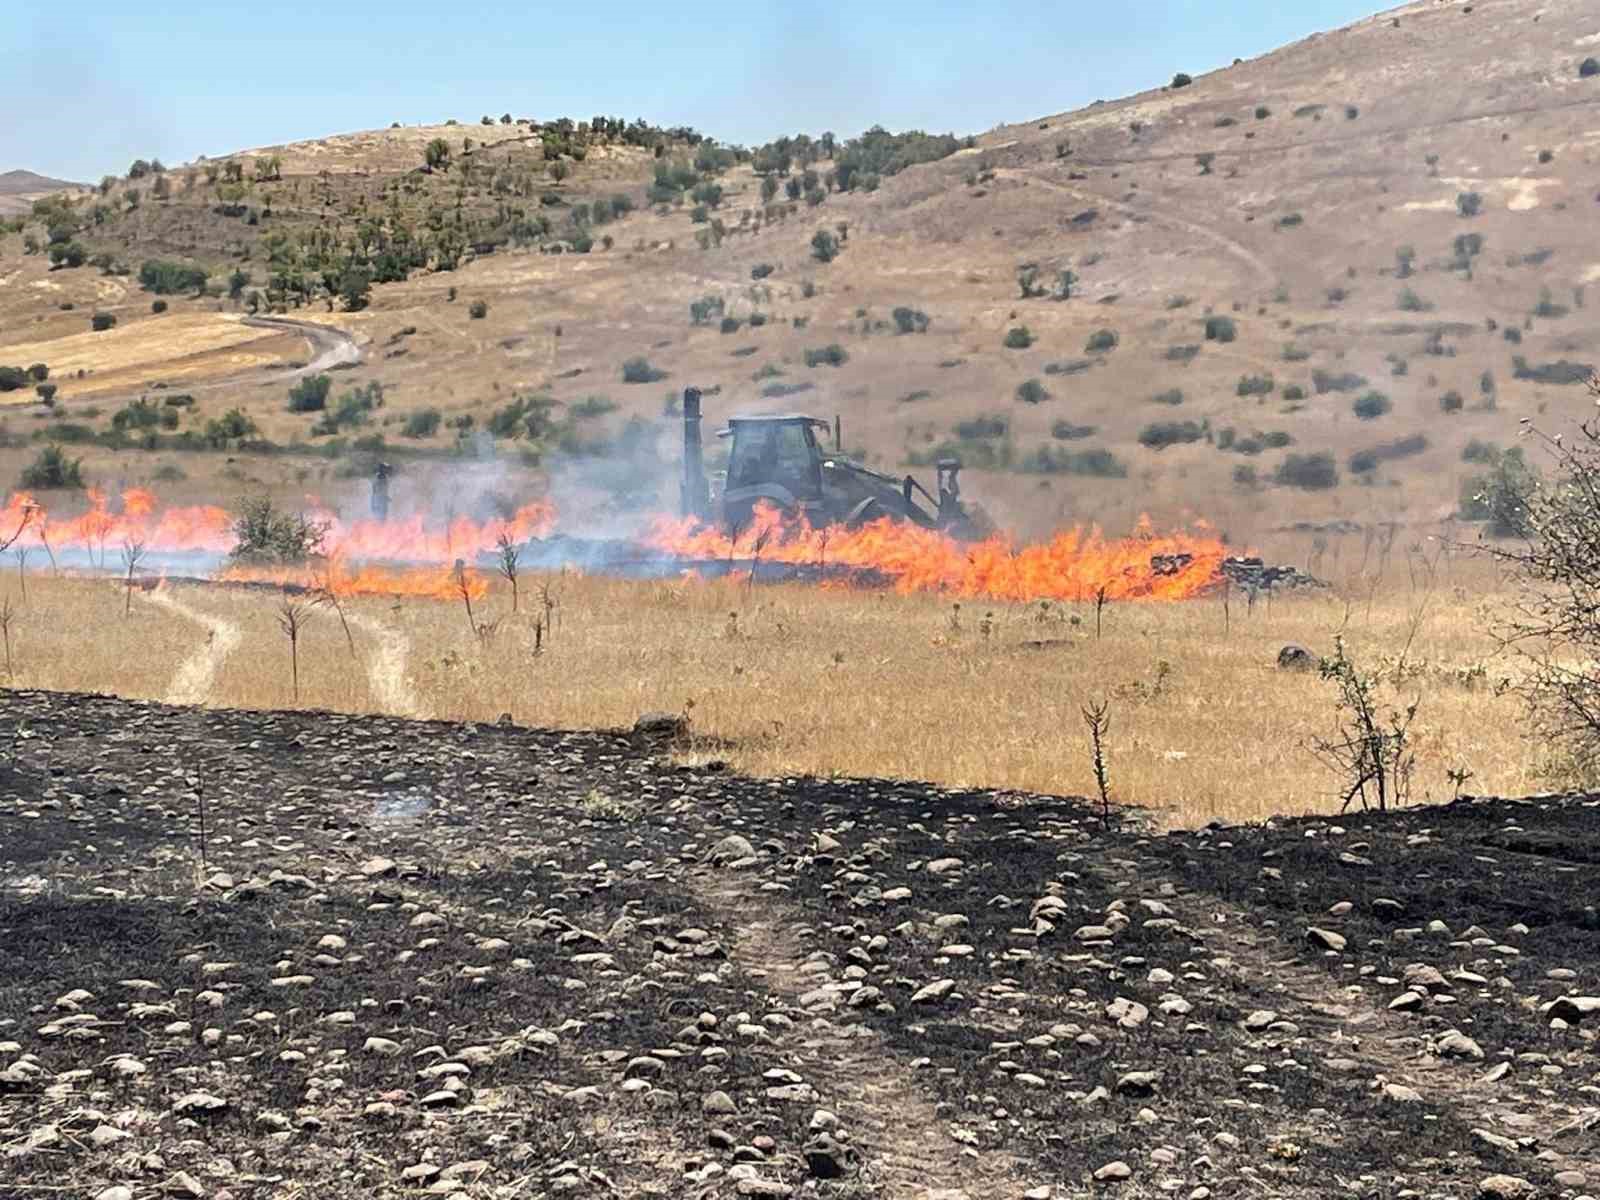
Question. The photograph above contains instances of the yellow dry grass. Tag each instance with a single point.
(176, 348)
(787, 680)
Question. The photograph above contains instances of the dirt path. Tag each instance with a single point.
(386, 668)
(192, 682)
(907, 1149)
(1264, 270)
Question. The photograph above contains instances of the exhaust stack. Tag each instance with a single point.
(694, 495)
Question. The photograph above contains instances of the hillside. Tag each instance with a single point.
(1392, 222)
(19, 189)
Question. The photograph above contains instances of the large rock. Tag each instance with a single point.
(1572, 1009)
(1296, 658)
(1507, 1187)
(828, 1158)
(661, 727)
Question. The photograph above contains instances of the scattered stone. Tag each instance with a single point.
(1113, 1172)
(1506, 1187)
(1326, 938)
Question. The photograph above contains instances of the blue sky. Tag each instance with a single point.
(90, 86)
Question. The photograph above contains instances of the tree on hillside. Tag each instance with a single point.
(270, 167)
(355, 286)
(824, 246)
(436, 156)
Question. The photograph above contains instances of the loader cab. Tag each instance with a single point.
(777, 460)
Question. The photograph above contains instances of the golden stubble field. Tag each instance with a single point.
(791, 679)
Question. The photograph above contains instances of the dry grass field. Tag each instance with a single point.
(787, 680)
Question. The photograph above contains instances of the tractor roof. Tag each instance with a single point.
(776, 419)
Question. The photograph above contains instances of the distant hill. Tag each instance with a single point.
(15, 182)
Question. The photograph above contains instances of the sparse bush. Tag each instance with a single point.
(824, 246)
(1503, 496)
(1171, 397)
(1099, 463)
(1451, 402)
(1309, 472)
(1469, 204)
(1256, 385)
(1101, 341)
(910, 320)
(265, 534)
(1326, 381)
(102, 321)
(1262, 112)
(1182, 354)
(1031, 391)
(165, 277)
(158, 307)
(1411, 302)
(1181, 80)
(1589, 68)
(1018, 337)
(423, 423)
(761, 270)
(310, 394)
(831, 355)
(1221, 329)
(232, 426)
(1477, 451)
(1294, 392)
(1364, 462)
(1066, 431)
(1372, 406)
(1561, 372)
(52, 469)
(1158, 435)
(478, 310)
(591, 407)
(639, 370)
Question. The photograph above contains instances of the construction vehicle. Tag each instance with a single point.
(779, 461)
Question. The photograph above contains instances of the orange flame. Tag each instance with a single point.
(1073, 565)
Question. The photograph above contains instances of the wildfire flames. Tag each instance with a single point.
(405, 557)
(415, 557)
(1073, 565)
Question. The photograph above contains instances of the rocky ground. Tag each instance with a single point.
(295, 954)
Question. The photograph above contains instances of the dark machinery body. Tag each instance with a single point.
(779, 461)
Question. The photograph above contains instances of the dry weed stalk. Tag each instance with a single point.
(291, 619)
(466, 593)
(7, 615)
(1097, 716)
(132, 553)
(328, 595)
(1099, 607)
(509, 556)
(22, 571)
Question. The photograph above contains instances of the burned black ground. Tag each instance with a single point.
(500, 962)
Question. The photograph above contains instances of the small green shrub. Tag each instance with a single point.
(1158, 435)
(52, 469)
(639, 370)
(478, 310)
(1221, 329)
(1372, 406)
(1589, 68)
(831, 355)
(761, 270)
(1469, 204)
(1294, 392)
(265, 534)
(1326, 381)
(158, 307)
(1182, 354)
(1018, 337)
(100, 322)
(1171, 397)
(1309, 472)
(910, 320)
(310, 394)
(423, 423)
(1411, 302)
(592, 406)
(1031, 391)
(1066, 431)
(1451, 402)
(1181, 80)
(1256, 385)
(1101, 341)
